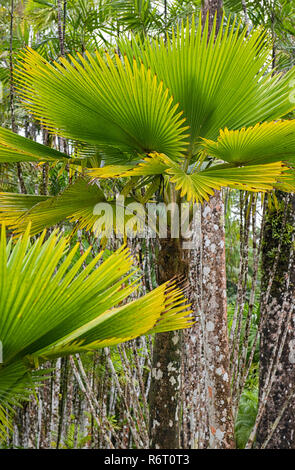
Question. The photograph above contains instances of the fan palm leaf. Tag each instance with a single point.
(219, 83)
(114, 103)
(15, 148)
(50, 307)
(76, 203)
(270, 141)
(163, 98)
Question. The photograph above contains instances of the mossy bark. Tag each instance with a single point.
(278, 320)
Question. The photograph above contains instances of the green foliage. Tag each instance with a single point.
(253, 330)
(139, 105)
(246, 417)
(51, 307)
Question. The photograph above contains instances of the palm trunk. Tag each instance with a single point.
(277, 342)
(209, 337)
(60, 26)
(166, 364)
(11, 93)
(214, 325)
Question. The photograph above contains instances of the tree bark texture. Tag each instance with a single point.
(211, 8)
(277, 342)
(195, 432)
(214, 325)
(216, 426)
(164, 397)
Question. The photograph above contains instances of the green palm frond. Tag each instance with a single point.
(113, 103)
(116, 325)
(111, 171)
(269, 141)
(51, 306)
(76, 202)
(15, 148)
(135, 104)
(151, 165)
(218, 83)
(198, 186)
(43, 302)
(13, 206)
(287, 182)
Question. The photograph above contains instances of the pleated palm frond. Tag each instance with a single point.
(287, 183)
(79, 200)
(136, 104)
(151, 165)
(51, 307)
(15, 148)
(198, 185)
(270, 141)
(218, 83)
(162, 98)
(104, 101)
(13, 206)
(76, 204)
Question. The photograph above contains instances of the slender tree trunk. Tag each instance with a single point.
(214, 325)
(60, 26)
(195, 432)
(211, 8)
(209, 336)
(277, 342)
(166, 365)
(11, 93)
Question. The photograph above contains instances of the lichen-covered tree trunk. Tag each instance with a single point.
(209, 338)
(166, 364)
(212, 8)
(195, 431)
(214, 325)
(277, 343)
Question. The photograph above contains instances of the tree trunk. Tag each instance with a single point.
(277, 341)
(214, 325)
(166, 365)
(211, 8)
(209, 337)
(11, 93)
(195, 431)
(214, 303)
(60, 26)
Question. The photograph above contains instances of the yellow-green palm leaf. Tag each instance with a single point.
(198, 186)
(54, 304)
(269, 141)
(15, 148)
(100, 100)
(218, 83)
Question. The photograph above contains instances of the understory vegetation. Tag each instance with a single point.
(119, 330)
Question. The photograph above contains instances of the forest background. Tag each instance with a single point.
(129, 396)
